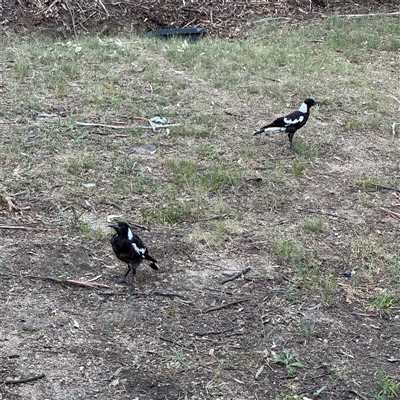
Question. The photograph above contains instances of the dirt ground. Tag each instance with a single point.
(220, 18)
(184, 333)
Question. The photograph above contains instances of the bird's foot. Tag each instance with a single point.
(131, 286)
(130, 289)
(293, 149)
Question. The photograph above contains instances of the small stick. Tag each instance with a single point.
(235, 276)
(361, 396)
(213, 217)
(24, 228)
(214, 332)
(105, 9)
(224, 306)
(111, 204)
(391, 213)
(87, 284)
(166, 294)
(368, 15)
(319, 212)
(387, 188)
(394, 98)
(24, 380)
(153, 126)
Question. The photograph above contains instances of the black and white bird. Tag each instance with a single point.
(291, 123)
(129, 248)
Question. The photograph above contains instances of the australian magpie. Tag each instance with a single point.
(129, 248)
(290, 123)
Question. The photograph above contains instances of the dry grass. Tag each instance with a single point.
(308, 220)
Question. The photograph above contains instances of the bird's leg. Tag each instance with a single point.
(132, 284)
(293, 149)
(291, 146)
(123, 280)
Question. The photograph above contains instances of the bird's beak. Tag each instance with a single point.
(113, 225)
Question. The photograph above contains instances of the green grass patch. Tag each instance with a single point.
(313, 224)
(162, 215)
(217, 178)
(385, 301)
(288, 250)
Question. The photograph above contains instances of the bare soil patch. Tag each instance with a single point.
(221, 18)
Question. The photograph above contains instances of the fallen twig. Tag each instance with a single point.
(369, 15)
(319, 212)
(24, 228)
(224, 305)
(167, 294)
(153, 126)
(220, 216)
(108, 203)
(214, 332)
(24, 380)
(87, 284)
(361, 396)
(106, 125)
(236, 275)
(387, 188)
(391, 213)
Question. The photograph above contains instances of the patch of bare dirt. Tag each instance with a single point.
(214, 341)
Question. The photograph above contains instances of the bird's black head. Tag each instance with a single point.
(310, 102)
(121, 227)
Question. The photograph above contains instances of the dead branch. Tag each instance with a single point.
(213, 217)
(320, 213)
(236, 275)
(153, 126)
(361, 396)
(24, 228)
(24, 380)
(166, 294)
(391, 213)
(387, 188)
(224, 306)
(214, 332)
(369, 15)
(86, 284)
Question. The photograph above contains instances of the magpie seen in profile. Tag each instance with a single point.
(129, 248)
(291, 122)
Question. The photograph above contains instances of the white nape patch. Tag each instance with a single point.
(293, 121)
(303, 108)
(274, 128)
(130, 234)
(139, 251)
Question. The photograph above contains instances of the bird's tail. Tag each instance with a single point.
(153, 262)
(270, 128)
(259, 132)
(154, 266)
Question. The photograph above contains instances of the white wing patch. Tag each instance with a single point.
(274, 129)
(138, 250)
(130, 234)
(293, 121)
(303, 108)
